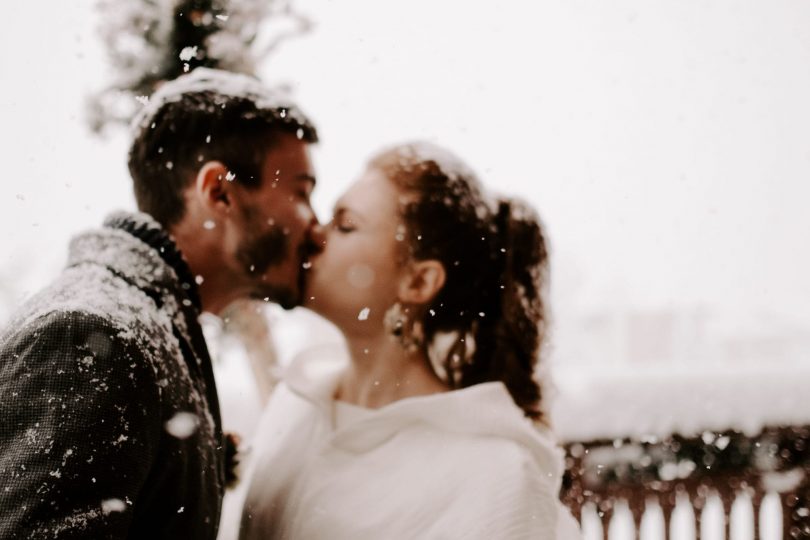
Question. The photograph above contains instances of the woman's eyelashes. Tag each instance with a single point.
(342, 221)
(342, 225)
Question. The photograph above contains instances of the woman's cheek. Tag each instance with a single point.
(360, 276)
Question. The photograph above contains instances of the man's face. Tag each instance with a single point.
(275, 225)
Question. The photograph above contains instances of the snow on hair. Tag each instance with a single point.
(222, 83)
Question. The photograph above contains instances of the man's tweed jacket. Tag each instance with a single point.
(109, 421)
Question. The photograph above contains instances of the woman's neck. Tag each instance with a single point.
(382, 372)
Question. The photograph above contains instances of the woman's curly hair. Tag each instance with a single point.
(495, 257)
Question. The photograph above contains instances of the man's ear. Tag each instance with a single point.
(423, 282)
(212, 188)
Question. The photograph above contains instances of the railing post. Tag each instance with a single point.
(636, 504)
(727, 501)
(796, 513)
(667, 502)
(698, 504)
(604, 510)
(788, 501)
(637, 512)
(756, 507)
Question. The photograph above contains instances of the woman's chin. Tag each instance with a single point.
(320, 306)
(313, 301)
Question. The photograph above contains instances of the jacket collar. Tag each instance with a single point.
(135, 248)
(145, 228)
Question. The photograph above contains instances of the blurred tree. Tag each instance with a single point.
(151, 41)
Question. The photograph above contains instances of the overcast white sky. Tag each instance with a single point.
(666, 143)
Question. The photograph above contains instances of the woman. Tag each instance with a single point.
(432, 427)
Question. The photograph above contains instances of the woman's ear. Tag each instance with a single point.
(212, 187)
(423, 282)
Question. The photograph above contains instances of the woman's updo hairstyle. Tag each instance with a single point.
(489, 316)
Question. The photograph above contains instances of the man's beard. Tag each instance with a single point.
(258, 254)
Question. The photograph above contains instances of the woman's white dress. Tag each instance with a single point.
(461, 464)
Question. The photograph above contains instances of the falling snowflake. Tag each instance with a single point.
(109, 506)
(182, 425)
(188, 53)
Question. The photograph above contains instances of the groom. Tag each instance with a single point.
(109, 420)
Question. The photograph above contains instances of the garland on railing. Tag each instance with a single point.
(777, 460)
(711, 454)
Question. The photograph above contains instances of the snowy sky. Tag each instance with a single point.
(664, 142)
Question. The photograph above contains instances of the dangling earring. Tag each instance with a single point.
(450, 352)
(399, 324)
(394, 320)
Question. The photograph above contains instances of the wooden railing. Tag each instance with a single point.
(728, 464)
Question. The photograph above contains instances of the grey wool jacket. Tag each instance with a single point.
(109, 420)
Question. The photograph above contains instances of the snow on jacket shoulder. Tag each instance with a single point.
(108, 426)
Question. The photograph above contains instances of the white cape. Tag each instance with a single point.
(461, 464)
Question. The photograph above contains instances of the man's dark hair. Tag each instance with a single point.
(200, 126)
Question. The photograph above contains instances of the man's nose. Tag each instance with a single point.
(317, 237)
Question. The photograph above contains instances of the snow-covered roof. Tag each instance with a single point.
(590, 402)
(610, 402)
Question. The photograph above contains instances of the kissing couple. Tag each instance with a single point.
(428, 425)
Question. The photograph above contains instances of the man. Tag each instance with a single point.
(110, 422)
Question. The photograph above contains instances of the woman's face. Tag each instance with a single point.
(355, 279)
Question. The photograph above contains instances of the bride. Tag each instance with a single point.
(432, 427)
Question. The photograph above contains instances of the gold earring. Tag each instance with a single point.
(399, 324)
(394, 320)
(450, 352)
